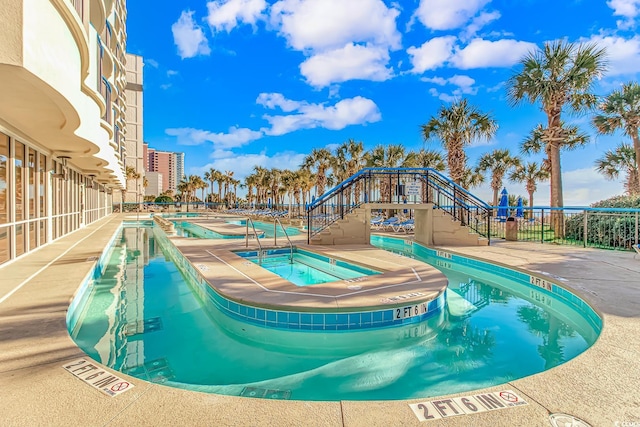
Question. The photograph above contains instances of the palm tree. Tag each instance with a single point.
(499, 162)
(530, 174)
(211, 176)
(391, 156)
(457, 126)
(320, 159)
(349, 159)
(559, 76)
(534, 143)
(471, 178)
(621, 110)
(426, 159)
(623, 158)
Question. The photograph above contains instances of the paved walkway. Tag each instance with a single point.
(600, 386)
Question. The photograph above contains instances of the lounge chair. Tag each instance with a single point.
(388, 224)
(636, 248)
(404, 226)
(375, 222)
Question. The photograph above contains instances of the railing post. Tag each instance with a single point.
(584, 230)
(542, 227)
(637, 228)
(309, 226)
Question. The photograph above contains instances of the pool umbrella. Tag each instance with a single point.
(269, 203)
(504, 204)
(519, 210)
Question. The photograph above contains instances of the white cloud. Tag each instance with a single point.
(189, 37)
(478, 23)
(225, 15)
(623, 54)
(628, 9)
(328, 24)
(347, 63)
(464, 84)
(171, 73)
(277, 100)
(448, 14)
(151, 62)
(432, 54)
(243, 164)
(236, 137)
(352, 111)
(435, 80)
(482, 53)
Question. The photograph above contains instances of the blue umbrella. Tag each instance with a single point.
(269, 203)
(504, 204)
(519, 210)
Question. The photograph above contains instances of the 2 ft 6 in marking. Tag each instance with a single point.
(410, 311)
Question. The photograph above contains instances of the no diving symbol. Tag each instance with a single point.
(509, 397)
(120, 386)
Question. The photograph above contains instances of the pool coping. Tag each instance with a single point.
(599, 385)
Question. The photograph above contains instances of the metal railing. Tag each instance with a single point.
(275, 237)
(605, 228)
(255, 233)
(399, 186)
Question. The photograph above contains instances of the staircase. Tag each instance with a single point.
(457, 217)
(352, 229)
(449, 232)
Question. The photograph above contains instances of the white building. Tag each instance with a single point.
(62, 117)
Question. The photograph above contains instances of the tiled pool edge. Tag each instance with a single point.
(293, 320)
(537, 282)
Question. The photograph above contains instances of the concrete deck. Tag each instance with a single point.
(600, 386)
(243, 281)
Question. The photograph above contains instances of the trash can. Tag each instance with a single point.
(511, 229)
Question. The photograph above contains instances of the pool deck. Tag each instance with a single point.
(600, 386)
(244, 281)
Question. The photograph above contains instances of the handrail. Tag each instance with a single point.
(275, 237)
(371, 185)
(246, 239)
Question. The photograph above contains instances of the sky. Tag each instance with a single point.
(239, 83)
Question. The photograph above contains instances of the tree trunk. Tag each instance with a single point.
(636, 147)
(557, 216)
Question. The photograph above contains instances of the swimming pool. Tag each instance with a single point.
(264, 230)
(306, 268)
(143, 318)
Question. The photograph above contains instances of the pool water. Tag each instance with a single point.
(306, 270)
(264, 230)
(143, 318)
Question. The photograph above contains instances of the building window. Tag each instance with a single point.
(4, 185)
(19, 190)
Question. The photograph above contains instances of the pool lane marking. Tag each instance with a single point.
(310, 294)
(28, 279)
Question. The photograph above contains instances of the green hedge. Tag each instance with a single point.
(615, 230)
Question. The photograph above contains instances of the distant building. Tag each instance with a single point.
(154, 184)
(179, 167)
(167, 163)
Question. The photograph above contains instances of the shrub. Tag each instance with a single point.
(606, 229)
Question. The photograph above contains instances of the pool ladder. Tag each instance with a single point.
(275, 237)
(262, 252)
(255, 233)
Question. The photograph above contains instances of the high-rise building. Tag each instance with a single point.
(62, 118)
(168, 163)
(179, 167)
(134, 138)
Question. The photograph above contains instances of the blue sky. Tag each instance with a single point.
(239, 83)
